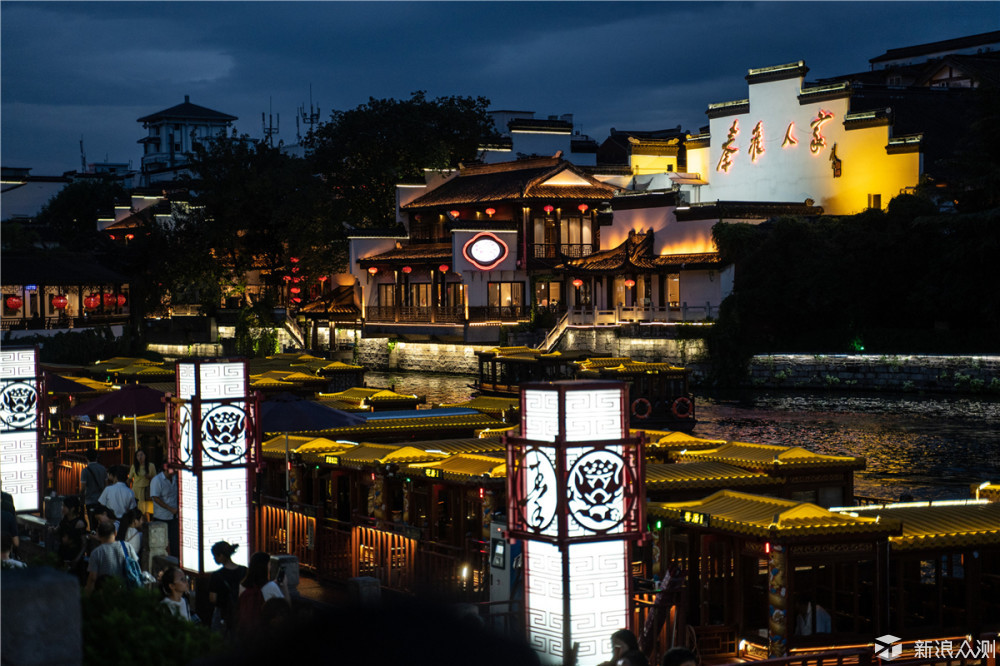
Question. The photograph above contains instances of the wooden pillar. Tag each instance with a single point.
(777, 597)
(435, 294)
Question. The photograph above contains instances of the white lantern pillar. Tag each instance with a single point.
(215, 447)
(21, 424)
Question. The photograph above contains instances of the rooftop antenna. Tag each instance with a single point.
(308, 119)
(268, 121)
(83, 157)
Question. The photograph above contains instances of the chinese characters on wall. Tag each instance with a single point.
(756, 147)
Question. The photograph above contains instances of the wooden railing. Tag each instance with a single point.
(415, 314)
(273, 525)
(18, 323)
(68, 469)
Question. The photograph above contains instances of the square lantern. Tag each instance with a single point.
(215, 447)
(576, 497)
(21, 424)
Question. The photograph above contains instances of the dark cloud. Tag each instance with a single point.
(91, 68)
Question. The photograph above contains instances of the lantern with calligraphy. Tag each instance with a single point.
(576, 498)
(59, 302)
(21, 424)
(214, 444)
(14, 302)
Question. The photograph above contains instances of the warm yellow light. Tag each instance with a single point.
(756, 148)
(728, 149)
(818, 141)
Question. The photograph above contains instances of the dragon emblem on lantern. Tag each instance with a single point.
(17, 405)
(597, 490)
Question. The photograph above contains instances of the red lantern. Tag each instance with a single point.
(294, 260)
(91, 302)
(453, 213)
(296, 279)
(296, 300)
(323, 278)
(578, 283)
(286, 278)
(443, 268)
(60, 302)
(372, 270)
(109, 300)
(121, 300)
(111, 236)
(548, 209)
(295, 290)
(583, 208)
(407, 270)
(14, 302)
(491, 211)
(129, 236)
(295, 269)
(629, 283)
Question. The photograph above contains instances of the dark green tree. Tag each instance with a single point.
(256, 207)
(71, 215)
(366, 151)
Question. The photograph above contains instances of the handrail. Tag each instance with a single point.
(555, 333)
(292, 327)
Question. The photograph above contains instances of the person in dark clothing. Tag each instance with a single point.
(93, 480)
(224, 588)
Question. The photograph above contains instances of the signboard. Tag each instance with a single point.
(485, 251)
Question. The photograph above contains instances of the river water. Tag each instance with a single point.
(930, 447)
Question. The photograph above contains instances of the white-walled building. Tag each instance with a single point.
(172, 135)
(524, 136)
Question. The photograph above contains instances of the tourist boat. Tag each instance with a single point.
(658, 392)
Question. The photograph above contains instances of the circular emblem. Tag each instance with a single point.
(485, 251)
(597, 490)
(18, 405)
(540, 490)
(223, 433)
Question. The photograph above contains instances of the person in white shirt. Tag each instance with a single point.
(163, 492)
(117, 496)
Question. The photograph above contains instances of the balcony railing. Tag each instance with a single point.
(500, 313)
(560, 250)
(415, 314)
(590, 316)
(18, 323)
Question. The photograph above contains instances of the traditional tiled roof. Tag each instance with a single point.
(339, 300)
(760, 516)
(777, 72)
(494, 406)
(938, 525)
(627, 257)
(660, 476)
(55, 268)
(187, 110)
(983, 69)
(547, 125)
(465, 467)
(423, 252)
(403, 427)
(770, 457)
(678, 440)
(507, 181)
(367, 454)
(937, 47)
(275, 447)
(731, 108)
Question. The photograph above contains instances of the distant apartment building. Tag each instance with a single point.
(171, 137)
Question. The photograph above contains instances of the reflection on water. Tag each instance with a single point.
(928, 447)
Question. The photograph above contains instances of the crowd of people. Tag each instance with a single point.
(104, 526)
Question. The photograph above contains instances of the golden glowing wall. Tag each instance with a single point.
(645, 164)
(669, 235)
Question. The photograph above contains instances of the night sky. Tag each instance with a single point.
(89, 69)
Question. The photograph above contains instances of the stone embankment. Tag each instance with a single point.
(890, 373)
(897, 373)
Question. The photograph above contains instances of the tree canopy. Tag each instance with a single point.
(905, 280)
(71, 215)
(365, 152)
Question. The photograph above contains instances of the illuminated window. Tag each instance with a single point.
(386, 294)
(505, 294)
